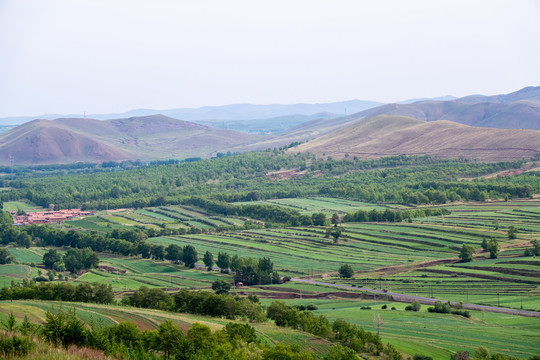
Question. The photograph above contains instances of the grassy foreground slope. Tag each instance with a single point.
(422, 332)
(107, 315)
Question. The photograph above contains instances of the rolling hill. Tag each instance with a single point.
(517, 110)
(147, 137)
(386, 135)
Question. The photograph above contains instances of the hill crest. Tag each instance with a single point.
(386, 135)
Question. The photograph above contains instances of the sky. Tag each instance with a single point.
(103, 56)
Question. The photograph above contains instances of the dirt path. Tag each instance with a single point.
(423, 300)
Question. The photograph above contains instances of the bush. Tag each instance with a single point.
(346, 271)
(415, 306)
(15, 346)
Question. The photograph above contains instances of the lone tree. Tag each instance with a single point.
(189, 256)
(5, 257)
(493, 248)
(335, 232)
(466, 254)
(512, 232)
(346, 271)
(208, 260)
(223, 261)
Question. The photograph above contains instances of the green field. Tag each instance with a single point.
(416, 258)
(21, 205)
(325, 205)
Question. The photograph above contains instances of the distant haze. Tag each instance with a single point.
(68, 57)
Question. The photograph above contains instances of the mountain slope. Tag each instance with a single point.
(515, 115)
(89, 140)
(386, 135)
(41, 141)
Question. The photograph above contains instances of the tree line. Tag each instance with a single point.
(389, 215)
(58, 291)
(247, 177)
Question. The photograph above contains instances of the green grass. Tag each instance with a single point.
(21, 205)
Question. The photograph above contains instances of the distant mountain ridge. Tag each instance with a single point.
(234, 112)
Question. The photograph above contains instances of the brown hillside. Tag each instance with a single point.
(386, 135)
(89, 140)
(45, 143)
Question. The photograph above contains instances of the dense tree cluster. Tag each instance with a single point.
(446, 308)
(197, 302)
(58, 291)
(393, 215)
(72, 261)
(252, 272)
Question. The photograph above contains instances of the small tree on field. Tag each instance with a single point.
(208, 260)
(335, 232)
(512, 232)
(493, 248)
(346, 271)
(5, 257)
(223, 261)
(466, 254)
(189, 256)
(415, 306)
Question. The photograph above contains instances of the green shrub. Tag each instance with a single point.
(14, 345)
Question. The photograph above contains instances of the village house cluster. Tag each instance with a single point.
(47, 217)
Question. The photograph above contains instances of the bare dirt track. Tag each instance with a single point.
(423, 300)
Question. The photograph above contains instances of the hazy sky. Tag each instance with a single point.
(70, 56)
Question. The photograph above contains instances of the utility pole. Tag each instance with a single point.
(11, 161)
(378, 321)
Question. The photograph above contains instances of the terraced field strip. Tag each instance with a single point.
(299, 250)
(523, 215)
(320, 204)
(93, 224)
(152, 214)
(139, 219)
(484, 274)
(15, 273)
(27, 256)
(435, 334)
